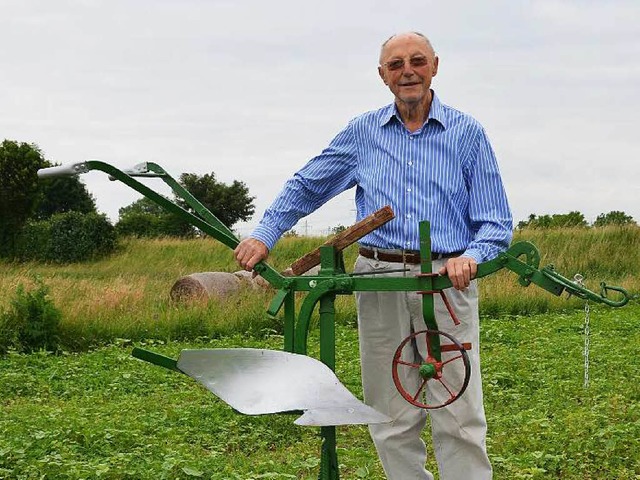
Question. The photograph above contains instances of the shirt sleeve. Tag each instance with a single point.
(322, 178)
(489, 213)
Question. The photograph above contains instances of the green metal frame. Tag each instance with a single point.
(521, 258)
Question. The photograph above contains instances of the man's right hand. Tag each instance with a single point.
(249, 252)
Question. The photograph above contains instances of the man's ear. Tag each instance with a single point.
(436, 61)
(382, 75)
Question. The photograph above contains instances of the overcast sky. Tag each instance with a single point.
(252, 89)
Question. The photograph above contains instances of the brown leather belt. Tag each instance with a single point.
(409, 256)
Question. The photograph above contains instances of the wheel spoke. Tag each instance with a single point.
(447, 388)
(451, 360)
(424, 383)
(408, 364)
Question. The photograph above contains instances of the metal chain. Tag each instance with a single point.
(579, 280)
(586, 344)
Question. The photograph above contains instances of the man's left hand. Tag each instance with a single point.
(461, 270)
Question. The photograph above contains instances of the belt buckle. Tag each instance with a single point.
(408, 254)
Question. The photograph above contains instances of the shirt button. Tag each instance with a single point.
(408, 215)
(409, 189)
(409, 163)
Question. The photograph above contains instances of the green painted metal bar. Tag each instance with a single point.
(278, 301)
(192, 201)
(267, 272)
(306, 310)
(428, 303)
(156, 359)
(229, 240)
(331, 263)
(327, 313)
(329, 468)
(289, 321)
(526, 269)
(153, 170)
(329, 457)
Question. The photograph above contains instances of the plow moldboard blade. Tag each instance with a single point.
(256, 382)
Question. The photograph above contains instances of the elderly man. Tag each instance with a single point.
(429, 162)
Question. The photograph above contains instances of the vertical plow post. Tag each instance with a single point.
(331, 263)
(428, 310)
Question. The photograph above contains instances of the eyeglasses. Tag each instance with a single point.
(398, 63)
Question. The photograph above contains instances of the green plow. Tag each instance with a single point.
(226, 372)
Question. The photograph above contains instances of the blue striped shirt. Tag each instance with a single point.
(445, 172)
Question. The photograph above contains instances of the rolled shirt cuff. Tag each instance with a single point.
(474, 253)
(266, 235)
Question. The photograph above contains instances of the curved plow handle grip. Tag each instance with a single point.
(63, 170)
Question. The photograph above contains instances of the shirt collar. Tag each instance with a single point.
(436, 112)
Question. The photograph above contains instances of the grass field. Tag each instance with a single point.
(93, 411)
(104, 414)
(127, 295)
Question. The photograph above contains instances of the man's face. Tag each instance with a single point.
(407, 65)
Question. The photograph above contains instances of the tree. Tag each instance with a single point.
(614, 217)
(142, 206)
(145, 218)
(566, 220)
(534, 221)
(571, 219)
(63, 194)
(229, 203)
(19, 189)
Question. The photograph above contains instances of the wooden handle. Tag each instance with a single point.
(343, 239)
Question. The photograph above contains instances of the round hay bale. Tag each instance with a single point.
(205, 285)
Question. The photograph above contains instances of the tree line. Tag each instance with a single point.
(575, 219)
(55, 219)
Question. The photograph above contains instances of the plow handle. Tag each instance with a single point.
(68, 170)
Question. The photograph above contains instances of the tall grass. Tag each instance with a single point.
(610, 254)
(127, 295)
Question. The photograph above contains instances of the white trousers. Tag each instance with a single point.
(459, 429)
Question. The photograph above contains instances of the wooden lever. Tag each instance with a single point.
(343, 239)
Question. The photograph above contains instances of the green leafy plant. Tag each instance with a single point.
(67, 237)
(32, 321)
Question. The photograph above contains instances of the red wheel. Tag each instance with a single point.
(415, 369)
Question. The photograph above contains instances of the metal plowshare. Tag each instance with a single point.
(256, 381)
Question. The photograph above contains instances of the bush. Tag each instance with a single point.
(153, 226)
(66, 238)
(31, 323)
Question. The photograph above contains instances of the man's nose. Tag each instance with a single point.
(407, 69)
